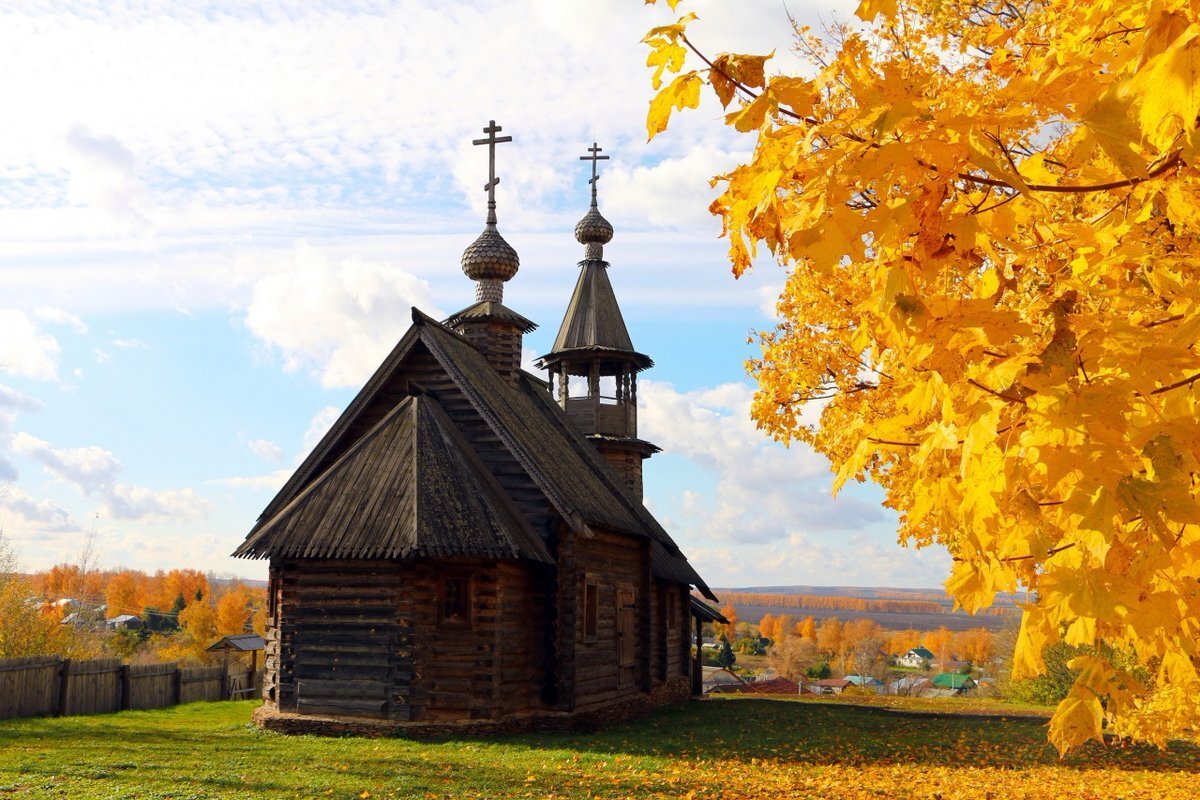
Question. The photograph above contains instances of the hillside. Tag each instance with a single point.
(891, 608)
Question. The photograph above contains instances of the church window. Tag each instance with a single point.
(626, 629)
(591, 610)
(454, 600)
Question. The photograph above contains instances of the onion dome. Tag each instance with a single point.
(593, 228)
(489, 260)
(490, 257)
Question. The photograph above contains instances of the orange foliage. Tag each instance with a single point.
(900, 642)
(126, 593)
(975, 645)
(940, 643)
(730, 629)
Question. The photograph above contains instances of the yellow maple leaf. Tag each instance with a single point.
(681, 93)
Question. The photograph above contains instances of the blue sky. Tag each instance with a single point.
(215, 218)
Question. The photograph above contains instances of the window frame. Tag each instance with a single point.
(591, 608)
(466, 618)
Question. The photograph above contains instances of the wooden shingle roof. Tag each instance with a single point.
(409, 488)
(593, 322)
(563, 465)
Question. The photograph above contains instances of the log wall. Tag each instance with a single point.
(339, 643)
(364, 639)
(619, 565)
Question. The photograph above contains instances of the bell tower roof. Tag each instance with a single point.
(593, 325)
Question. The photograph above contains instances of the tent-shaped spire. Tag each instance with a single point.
(593, 321)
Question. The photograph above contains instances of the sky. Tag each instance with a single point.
(215, 217)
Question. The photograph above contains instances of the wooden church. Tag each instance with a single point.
(467, 547)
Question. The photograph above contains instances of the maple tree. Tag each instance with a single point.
(987, 212)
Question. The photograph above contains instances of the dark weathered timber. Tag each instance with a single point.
(428, 559)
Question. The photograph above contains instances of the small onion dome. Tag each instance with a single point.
(593, 228)
(490, 257)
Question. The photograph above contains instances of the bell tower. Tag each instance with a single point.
(593, 366)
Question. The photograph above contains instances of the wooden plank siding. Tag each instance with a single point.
(29, 687)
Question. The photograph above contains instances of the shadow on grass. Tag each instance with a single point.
(777, 730)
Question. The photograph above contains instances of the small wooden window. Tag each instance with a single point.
(626, 628)
(591, 610)
(454, 600)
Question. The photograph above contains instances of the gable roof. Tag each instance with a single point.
(410, 487)
(241, 642)
(569, 471)
(920, 652)
(776, 685)
(593, 321)
(952, 680)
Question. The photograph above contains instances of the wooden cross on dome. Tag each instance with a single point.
(491, 130)
(595, 157)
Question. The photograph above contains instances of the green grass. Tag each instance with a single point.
(729, 748)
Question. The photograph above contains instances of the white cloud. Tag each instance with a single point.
(23, 514)
(25, 349)
(146, 505)
(103, 176)
(764, 492)
(337, 319)
(10, 398)
(673, 193)
(93, 471)
(265, 449)
(58, 316)
(129, 343)
(856, 560)
(271, 480)
(318, 426)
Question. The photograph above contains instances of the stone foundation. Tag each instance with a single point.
(671, 693)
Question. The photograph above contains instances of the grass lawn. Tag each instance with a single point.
(743, 747)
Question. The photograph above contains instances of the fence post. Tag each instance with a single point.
(126, 702)
(63, 686)
(177, 683)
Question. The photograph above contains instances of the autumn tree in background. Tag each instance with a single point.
(768, 627)
(976, 645)
(900, 642)
(793, 657)
(830, 641)
(941, 643)
(729, 629)
(807, 629)
(988, 217)
(26, 629)
(125, 593)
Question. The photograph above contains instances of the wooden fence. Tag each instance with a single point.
(49, 685)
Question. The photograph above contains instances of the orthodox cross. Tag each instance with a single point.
(595, 156)
(491, 130)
